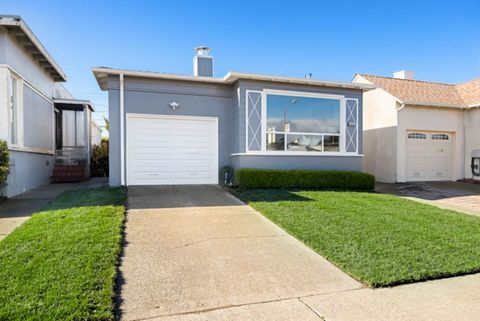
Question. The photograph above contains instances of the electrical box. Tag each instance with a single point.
(476, 163)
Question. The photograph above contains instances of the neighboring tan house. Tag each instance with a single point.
(40, 120)
(182, 129)
(419, 130)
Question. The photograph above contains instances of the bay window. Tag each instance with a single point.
(302, 123)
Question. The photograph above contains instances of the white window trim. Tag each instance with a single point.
(19, 109)
(264, 150)
(247, 118)
(356, 122)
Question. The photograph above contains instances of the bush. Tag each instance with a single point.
(99, 161)
(4, 162)
(271, 178)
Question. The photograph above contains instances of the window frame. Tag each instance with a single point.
(17, 110)
(341, 135)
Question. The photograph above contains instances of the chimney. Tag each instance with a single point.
(404, 74)
(203, 62)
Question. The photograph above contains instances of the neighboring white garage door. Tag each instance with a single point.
(169, 150)
(429, 156)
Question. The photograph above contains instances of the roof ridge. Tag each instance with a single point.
(467, 81)
(413, 80)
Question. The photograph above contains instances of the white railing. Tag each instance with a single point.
(71, 155)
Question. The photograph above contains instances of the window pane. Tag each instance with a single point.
(440, 136)
(303, 114)
(417, 136)
(304, 143)
(331, 143)
(275, 141)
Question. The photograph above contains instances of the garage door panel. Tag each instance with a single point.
(172, 150)
(428, 159)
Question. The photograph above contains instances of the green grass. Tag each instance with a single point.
(61, 263)
(381, 240)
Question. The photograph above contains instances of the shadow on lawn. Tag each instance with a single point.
(270, 195)
(120, 279)
(83, 197)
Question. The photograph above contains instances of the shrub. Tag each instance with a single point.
(4, 162)
(99, 161)
(319, 179)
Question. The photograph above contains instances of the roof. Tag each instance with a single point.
(65, 101)
(25, 37)
(425, 93)
(102, 74)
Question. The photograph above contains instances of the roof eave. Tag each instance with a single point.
(44, 58)
(433, 104)
(74, 102)
(102, 73)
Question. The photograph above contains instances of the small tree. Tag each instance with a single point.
(4, 162)
(99, 161)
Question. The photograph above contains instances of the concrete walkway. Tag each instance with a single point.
(198, 254)
(16, 210)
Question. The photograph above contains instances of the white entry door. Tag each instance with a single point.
(171, 150)
(429, 156)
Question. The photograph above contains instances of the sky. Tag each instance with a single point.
(332, 40)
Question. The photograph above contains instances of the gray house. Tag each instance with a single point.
(177, 129)
(47, 130)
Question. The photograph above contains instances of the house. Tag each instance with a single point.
(43, 124)
(183, 129)
(419, 130)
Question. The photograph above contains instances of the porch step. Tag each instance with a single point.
(68, 174)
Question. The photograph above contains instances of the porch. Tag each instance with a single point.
(72, 140)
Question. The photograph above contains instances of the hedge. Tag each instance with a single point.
(99, 160)
(249, 178)
(4, 163)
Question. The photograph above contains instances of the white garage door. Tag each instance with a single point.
(166, 150)
(429, 156)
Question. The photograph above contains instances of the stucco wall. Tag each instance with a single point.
(379, 134)
(348, 163)
(472, 137)
(144, 96)
(431, 119)
(16, 57)
(28, 170)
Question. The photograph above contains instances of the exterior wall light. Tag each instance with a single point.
(174, 105)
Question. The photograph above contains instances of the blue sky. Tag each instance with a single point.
(333, 40)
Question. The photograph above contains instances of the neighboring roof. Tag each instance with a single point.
(470, 92)
(102, 73)
(74, 102)
(425, 93)
(25, 37)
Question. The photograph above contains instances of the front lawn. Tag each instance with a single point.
(381, 240)
(61, 264)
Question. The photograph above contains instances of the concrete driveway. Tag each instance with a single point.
(197, 249)
(195, 253)
(458, 196)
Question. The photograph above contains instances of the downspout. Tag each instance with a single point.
(122, 131)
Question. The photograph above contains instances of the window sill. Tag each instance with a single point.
(31, 150)
(319, 154)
